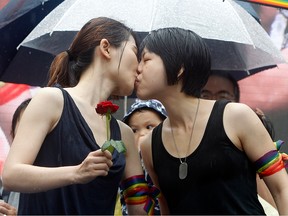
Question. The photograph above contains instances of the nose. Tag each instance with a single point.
(141, 133)
(139, 68)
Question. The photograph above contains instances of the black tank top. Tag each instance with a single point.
(221, 179)
(69, 144)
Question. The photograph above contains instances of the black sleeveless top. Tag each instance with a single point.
(69, 144)
(221, 180)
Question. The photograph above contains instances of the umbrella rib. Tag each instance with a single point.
(241, 59)
(153, 14)
(60, 20)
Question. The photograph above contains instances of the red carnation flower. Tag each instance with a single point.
(106, 107)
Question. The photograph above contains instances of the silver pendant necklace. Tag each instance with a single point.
(183, 167)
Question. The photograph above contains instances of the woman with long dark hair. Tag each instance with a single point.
(56, 160)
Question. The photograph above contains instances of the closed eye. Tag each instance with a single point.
(146, 59)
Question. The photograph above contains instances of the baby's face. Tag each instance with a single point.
(142, 122)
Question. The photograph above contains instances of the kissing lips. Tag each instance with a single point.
(136, 84)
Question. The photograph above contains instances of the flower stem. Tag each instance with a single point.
(108, 118)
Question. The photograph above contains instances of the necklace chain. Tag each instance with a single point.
(196, 113)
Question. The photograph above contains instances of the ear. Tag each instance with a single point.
(180, 73)
(105, 48)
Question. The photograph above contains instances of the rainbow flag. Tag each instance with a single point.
(273, 3)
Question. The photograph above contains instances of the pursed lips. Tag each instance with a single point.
(136, 82)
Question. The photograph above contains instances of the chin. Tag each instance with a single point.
(128, 93)
(141, 96)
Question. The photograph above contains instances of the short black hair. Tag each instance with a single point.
(179, 48)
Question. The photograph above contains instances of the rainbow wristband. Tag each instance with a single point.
(136, 191)
(272, 161)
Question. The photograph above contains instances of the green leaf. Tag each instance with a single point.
(107, 146)
(118, 145)
(111, 145)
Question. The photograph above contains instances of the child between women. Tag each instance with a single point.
(204, 155)
(56, 159)
(142, 117)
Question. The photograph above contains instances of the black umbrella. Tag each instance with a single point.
(237, 41)
(17, 19)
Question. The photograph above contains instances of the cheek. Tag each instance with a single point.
(156, 80)
(131, 58)
(133, 62)
(153, 72)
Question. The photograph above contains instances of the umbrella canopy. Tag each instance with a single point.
(237, 41)
(17, 20)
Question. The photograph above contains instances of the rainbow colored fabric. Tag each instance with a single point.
(137, 191)
(274, 3)
(272, 162)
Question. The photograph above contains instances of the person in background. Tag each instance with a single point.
(56, 161)
(11, 198)
(203, 156)
(222, 85)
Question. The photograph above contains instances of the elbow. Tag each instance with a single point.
(7, 180)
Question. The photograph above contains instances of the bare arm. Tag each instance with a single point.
(146, 152)
(264, 192)
(277, 184)
(39, 118)
(248, 133)
(133, 164)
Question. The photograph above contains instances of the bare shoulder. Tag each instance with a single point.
(47, 104)
(146, 142)
(125, 129)
(238, 106)
(49, 94)
(123, 126)
(241, 123)
(239, 115)
(133, 164)
(126, 133)
(238, 111)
